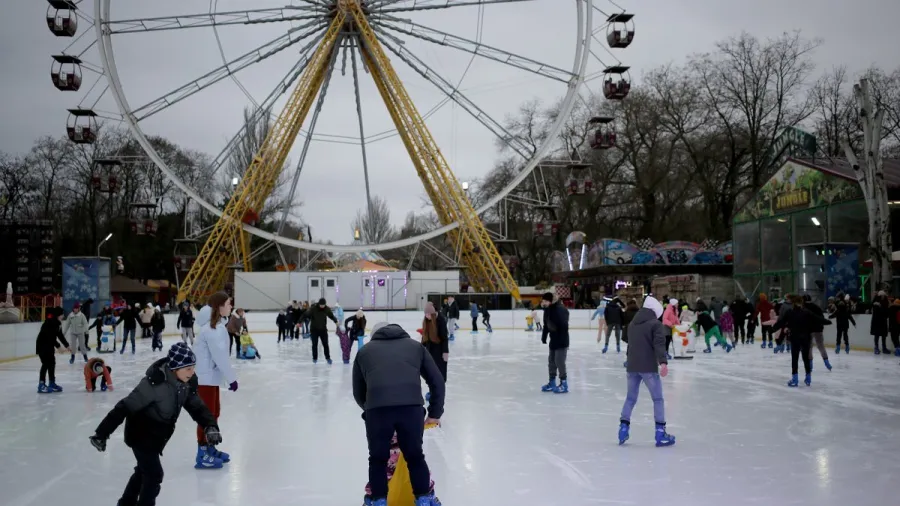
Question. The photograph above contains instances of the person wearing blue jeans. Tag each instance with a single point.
(646, 364)
(128, 332)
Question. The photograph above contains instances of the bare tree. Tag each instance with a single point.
(375, 228)
(19, 187)
(870, 175)
(836, 120)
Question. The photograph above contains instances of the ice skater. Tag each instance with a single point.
(816, 331)
(763, 309)
(157, 326)
(248, 347)
(129, 317)
(355, 327)
(435, 339)
(670, 320)
(76, 327)
(150, 412)
(185, 322)
(843, 318)
(556, 326)
(235, 326)
(387, 385)
(711, 330)
(726, 324)
(318, 316)
(452, 316)
(647, 362)
(486, 319)
(282, 324)
(601, 323)
(473, 312)
(799, 320)
(613, 317)
(97, 368)
(48, 341)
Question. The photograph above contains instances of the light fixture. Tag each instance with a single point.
(356, 234)
(782, 220)
(465, 186)
(815, 221)
(108, 237)
(234, 181)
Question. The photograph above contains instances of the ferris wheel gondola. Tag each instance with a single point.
(617, 82)
(620, 31)
(81, 127)
(62, 18)
(66, 72)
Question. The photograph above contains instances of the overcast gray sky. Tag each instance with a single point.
(857, 34)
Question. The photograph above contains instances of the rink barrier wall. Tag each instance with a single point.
(17, 340)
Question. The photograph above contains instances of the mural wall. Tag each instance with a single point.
(796, 187)
(85, 278)
(842, 270)
(619, 252)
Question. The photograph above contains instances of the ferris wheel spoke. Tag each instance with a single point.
(387, 6)
(473, 47)
(266, 107)
(232, 67)
(453, 93)
(208, 19)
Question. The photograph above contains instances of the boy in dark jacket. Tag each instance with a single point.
(710, 330)
(817, 331)
(318, 315)
(646, 363)
(613, 317)
(185, 322)
(282, 324)
(129, 319)
(556, 325)
(844, 318)
(452, 316)
(48, 340)
(150, 412)
(387, 386)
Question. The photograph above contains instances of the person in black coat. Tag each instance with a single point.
(387, 386)
(817, 330)
(879, 325)
(185, 322)
(47, 343)
(355, 326)
(452, 316)
(556, 326)
(281, 321)
(740, 310)
(150, 412)
(613, 317)
(800, 322)
(843, 319)
(894, 325)
(129, 319)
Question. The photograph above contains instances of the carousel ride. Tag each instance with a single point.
(325, 32)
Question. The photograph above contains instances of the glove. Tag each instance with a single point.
(98, 442)
(543, 340)
(213, 436)
(233, 386)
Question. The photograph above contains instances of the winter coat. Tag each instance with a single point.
(843, 316)
(281, 321)
(213, 358)
(799, 322)
(879, 325)
(741, 310)
(763, 308)
(49, 337)
(158, 322)
(246, 340)
(319, 318)
(893, 315)
(129, 318)
(726, 322)
(146, 315)
(706, 322)
(817, 326)
(152, 408)
(613, 313)
(556, 325)
(473, 310)
(484, 313)
(646, 342)
(89, 373)
(770, 319)
(359, 326)
(387, 372)
(716, 307)
(235, 324)
(627, 318)
(185, 319)
(670, 316)
(76, 324)
(453, 311)
(294, 313)
(437, 350)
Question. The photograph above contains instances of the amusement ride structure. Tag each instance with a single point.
(323, 29)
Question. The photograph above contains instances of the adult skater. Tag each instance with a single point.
(473, 312)
(800, 322)
(318, 316)
(236, 324)
(879, 326)
(185, 322)
(387, 386)
(670, 320)
(816, 330)
(486, 319)
(146, 316)
(157, 325)
(613, 318)
(646, 363)
(740, 311)
(86, 307)
(76, 327)
(129, 319)
(761, 312)
(843, 318)
(556, 325)
(355, 326)
(213, 370)
(716, 307)
(435, 338)
(150, 412)
(711, 330)
(452, 316)
(48, 341)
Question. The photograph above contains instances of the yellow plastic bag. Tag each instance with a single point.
(400, 492)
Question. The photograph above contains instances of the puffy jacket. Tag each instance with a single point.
(473, 310)
(387, 372)
(158, 322)
(705, 321)
(843, 316)
(453, 311)
(556, 325)
(146, 315)
(800, 322)
(129, 318)
(670, 316)
(213, 358)
(152, 408)
(235, 324)
(613, 313)
(318, 318)
(246, 340)
(359, 326)
(76, 324)
(646, 342)
(49, 337)
(185, 319)
(879, 324)
(89, 373)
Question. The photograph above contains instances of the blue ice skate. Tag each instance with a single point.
(779, 348)
(563, 388)
(605, 348)
(224, 457)
(315, 361)
(770, 343)
(368, 501)
(205, 460)
(716, 343)
(346, 362)
(668, 357)
(428, 500)
(728, 348)
(103, 387)
(662, 437)
(452, 337)
(427, 396)
(618, 349)
(623, 432)
(707, 350)
(794, 381)
(72, 359)
(53, 387)
(329, 361)
(549, 387)
(877, 351)
(42, 388)
(808, 380)
(837, 349)
(763, 344)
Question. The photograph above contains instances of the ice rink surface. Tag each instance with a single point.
(296, 437)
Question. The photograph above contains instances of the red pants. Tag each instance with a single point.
(210, 397)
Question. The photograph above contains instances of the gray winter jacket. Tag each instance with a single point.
(76, 324)
(387, 369)
(716, 307)
(646, 342)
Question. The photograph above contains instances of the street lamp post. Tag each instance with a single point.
(102, 243)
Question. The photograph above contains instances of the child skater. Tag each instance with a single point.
(473, 312)
(710, 330)
(281, 322)
(391, 468)
(150, 412)
(158, 324)
(529, 323)
(752, 322)
(95, 368)
(844, 319)
(486, 319)
(48, 340)
(76, 327)
(670, 320)
(726, 323)
(248, 347)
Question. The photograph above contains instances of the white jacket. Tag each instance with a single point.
(213, 358)
(76, 324)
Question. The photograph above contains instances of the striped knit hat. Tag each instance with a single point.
(180, 356)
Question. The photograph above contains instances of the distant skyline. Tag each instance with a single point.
(856, 35)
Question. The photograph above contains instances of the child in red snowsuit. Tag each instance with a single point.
(97, 368)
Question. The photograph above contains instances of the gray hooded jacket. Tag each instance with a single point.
(647, 339)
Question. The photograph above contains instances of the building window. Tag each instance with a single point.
(746, 248)
(775, 244)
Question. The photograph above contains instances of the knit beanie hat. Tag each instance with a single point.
(359, 313)
(429, 309)
(654, 305)
(181, 356)
(378, 326)
(548, 297)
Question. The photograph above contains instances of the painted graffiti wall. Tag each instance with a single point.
(620, 252)
(85, 278)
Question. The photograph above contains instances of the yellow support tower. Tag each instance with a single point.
(225, 245)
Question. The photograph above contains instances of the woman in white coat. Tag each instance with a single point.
(213, 370)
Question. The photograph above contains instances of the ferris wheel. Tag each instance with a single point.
(376, 35)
